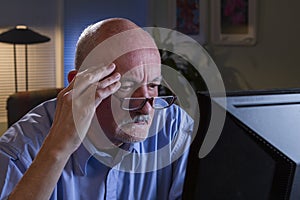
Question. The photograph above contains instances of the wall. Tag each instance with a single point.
(272, 63)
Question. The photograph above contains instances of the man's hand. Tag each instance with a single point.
(77, 103)
(82, 96)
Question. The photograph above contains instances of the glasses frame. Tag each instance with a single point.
(145, 100)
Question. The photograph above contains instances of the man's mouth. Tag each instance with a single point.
(137, 120)
(141, 123)
(140, 120)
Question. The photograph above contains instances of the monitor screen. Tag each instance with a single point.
(257, 154)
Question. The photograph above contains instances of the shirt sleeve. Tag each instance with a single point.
(20, 144)
(11, 171)
(182, 143)
(179, 171)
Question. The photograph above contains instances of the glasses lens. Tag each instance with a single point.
(132, 103)
(156, 102)
(163, 102)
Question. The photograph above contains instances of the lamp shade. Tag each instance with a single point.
(22, 35)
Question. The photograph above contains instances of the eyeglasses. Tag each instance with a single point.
(157, 103)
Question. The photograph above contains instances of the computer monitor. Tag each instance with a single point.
(258, 153)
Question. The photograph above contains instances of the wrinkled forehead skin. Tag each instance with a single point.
(111, 48)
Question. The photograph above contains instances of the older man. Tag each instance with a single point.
(108, 135)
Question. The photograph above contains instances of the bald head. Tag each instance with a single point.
(97, 33)
(137, 61)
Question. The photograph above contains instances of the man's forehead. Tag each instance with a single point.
(149, 71)
(140, 61)
(134, 79)
(117, 45)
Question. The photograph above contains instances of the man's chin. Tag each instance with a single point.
(131, 133)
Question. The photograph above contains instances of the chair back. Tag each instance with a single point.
(18, 104)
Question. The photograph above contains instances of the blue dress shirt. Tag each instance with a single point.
(87, 175)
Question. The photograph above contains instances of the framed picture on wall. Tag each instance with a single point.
(233, 22)
(190, 18)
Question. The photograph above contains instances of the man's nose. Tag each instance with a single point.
(143, 92)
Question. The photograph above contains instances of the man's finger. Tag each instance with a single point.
(109, 80)
(92, 75)
(103, 93)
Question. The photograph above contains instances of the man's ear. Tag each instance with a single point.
(71, 75)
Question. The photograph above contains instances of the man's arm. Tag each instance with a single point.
(40, 179)
(63, 139)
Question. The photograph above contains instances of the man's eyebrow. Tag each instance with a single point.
(157, 79)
